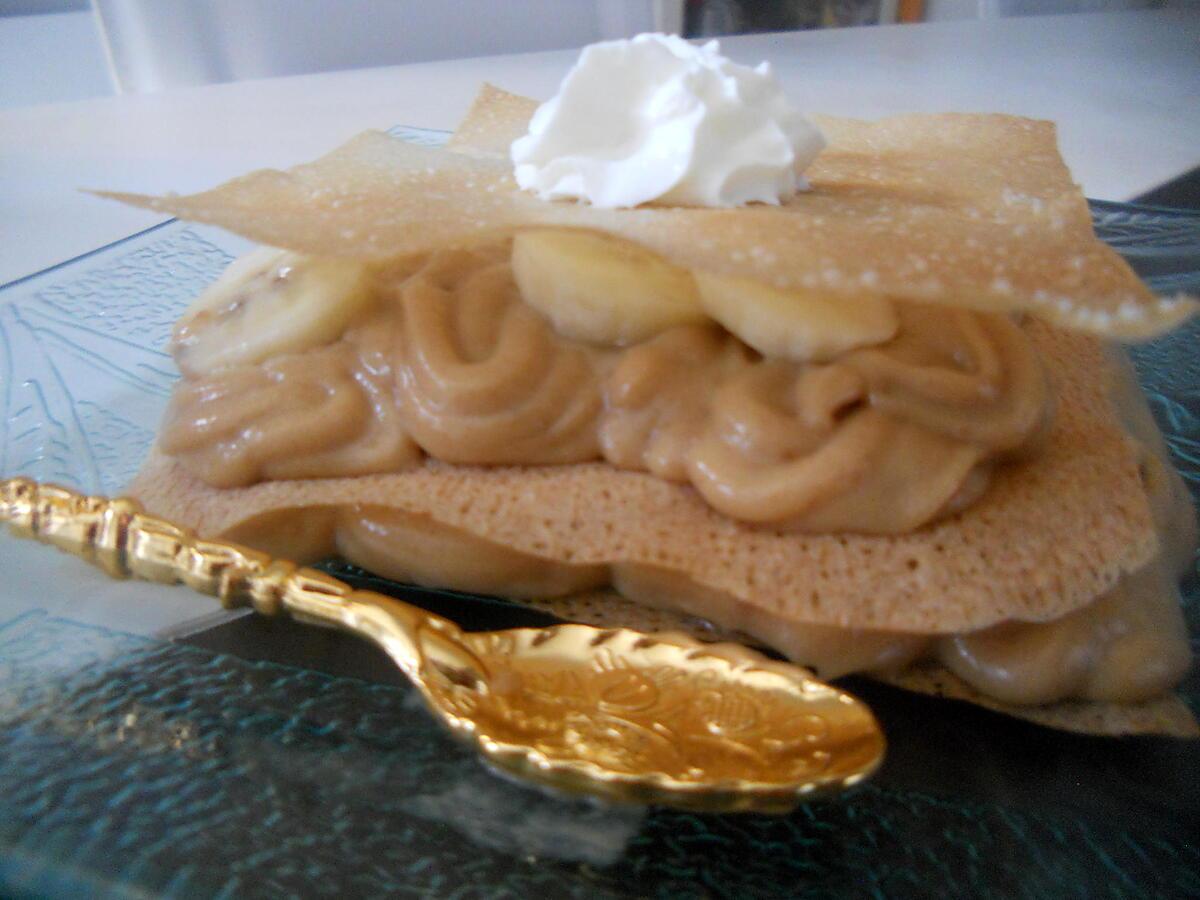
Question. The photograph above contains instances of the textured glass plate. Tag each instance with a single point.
(301, 765)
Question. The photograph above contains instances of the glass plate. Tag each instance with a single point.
(257, 758)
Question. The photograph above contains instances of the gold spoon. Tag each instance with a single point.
(610, 712)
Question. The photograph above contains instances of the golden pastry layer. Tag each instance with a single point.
(1127, 646)
(973, 211)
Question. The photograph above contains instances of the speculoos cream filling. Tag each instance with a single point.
(449, 362)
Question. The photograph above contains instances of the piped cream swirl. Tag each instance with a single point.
(481, 378)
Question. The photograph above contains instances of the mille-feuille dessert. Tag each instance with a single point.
(872, 421)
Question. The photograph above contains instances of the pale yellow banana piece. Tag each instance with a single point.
(601, 290)
(267, 303)
(803, 325)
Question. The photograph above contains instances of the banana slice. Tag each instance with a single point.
(267, 303)
(602, 290)
(808, 326)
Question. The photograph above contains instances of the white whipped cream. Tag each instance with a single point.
(655, 118)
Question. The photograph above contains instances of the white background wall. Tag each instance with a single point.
(51, 51)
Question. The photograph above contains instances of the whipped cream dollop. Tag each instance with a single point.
(658, 119)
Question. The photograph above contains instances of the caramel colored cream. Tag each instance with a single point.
(417, 550)
(450, 362)
(1130, 644)
(330, 411)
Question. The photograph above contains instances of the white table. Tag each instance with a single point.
(1122, 86)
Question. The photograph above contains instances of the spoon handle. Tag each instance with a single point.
(116, 536)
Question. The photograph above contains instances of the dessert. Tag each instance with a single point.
(873, 426)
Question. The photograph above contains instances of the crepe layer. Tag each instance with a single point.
(970, 210)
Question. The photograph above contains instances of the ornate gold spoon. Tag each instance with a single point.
(610, 712)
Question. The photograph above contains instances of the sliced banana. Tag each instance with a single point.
(267, 303)
(238, 273)
(808, 326)
(601, 290)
